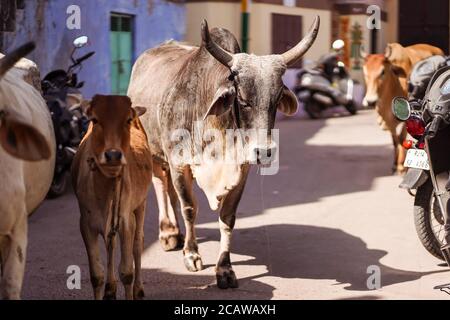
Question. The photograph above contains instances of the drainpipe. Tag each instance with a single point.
(245, 14)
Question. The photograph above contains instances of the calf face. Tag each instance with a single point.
(111, 120)
(375, 69)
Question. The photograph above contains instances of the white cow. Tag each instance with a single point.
(27, 160)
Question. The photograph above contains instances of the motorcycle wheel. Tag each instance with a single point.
(59, 186)
(313, 109)
(429, 220)
(351, 107)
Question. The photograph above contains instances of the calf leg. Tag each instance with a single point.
(126, 271)
(90, 238)
(225, 276)
(169, 232)
(138, 245)
(111, 282)
(13, 260)
(182, 182)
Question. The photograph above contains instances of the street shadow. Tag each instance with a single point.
(310, 252)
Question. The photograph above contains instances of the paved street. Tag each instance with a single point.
(309, 232)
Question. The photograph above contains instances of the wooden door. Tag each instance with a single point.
(121, 41)
(286, 33)
(424, 22)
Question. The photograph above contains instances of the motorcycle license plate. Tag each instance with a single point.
(417, 158)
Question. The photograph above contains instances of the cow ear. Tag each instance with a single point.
(399, 71)
(139, 111)
(222, 102)
(288, 103)
(22, 140)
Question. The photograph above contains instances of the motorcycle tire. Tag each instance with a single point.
(424, 209)
(351, 108)
(59, 186)
(313, 109)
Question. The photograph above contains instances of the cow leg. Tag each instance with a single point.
(138, 246)
(126, 271)
(111, 282)
(13, 260)
(169, 231)
(90, 238)
(395, 144)
(225, 276)
(182, 182)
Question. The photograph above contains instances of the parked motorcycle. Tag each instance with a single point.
(64, 99)
(428, 156)
(326, 85)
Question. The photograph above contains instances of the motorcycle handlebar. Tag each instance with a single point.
(86, 56)
(434, 126)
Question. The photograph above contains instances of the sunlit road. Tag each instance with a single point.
(309, 232)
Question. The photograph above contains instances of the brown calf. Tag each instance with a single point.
(383, 85)
(111, 174)
(386, 78)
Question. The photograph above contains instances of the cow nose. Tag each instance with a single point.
(113, 155)
(264, 155)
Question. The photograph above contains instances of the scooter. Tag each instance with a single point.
(326, 85)
(428, 158)
(61, 92)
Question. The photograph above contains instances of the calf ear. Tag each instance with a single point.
(22, 140)
(222, 101)
(139, 111)
(288, 103)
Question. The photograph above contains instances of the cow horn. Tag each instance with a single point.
(215, 50)
(388, 52)
(300, 49)
(362, 53)
(9, 60)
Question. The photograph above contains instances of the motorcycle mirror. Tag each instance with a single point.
(80, 42)
(338, 44)
(401, 108)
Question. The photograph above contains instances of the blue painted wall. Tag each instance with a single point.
(44, 21)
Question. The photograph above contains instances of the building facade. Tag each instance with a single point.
(118, 30)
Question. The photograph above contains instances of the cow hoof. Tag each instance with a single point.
(138, 294)
(109, 296)
(227, 279)
(193, 262)
(171, 242)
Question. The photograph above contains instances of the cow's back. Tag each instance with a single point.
(422, 51)
(154, 74)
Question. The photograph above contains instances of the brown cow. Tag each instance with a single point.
(404, 58)
(111, 174)
(386, 78)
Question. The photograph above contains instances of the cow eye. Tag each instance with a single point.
(130, 120)
(94, 121)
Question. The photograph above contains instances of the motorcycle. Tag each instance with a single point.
(428, 156)
(64, 100)
(326, 85)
